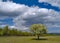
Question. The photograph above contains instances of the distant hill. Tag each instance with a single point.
(54, 34)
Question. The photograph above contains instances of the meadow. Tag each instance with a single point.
(29, 39)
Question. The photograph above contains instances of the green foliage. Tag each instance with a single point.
(5, 30)
(38, 29)
(13, 32)
(1, 33)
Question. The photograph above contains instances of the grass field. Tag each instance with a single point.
(29, 39)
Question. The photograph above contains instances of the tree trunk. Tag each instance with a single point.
(38, 37)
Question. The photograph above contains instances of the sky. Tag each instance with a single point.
(21, 14)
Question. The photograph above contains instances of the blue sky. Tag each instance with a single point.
(21, 14)
(36, 3)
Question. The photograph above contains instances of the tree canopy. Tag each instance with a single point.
(38, 29)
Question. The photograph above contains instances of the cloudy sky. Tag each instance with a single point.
(21, 14)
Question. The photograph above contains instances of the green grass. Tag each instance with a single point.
(29, 39)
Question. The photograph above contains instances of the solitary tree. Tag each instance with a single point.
(38, 29)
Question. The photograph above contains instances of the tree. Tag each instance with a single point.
(38, 29)
(0, 31)
(13, 32)
(5, 30)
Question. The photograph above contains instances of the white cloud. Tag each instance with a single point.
(2, 26)
(26, 16)
(52, 2)
(32, 14)
(38, 15)
(11, 27)
(11, 9)
(9, 6)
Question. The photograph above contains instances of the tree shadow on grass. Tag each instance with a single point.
(39, 39)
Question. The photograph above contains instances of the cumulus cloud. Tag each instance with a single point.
(24, 16)
(11, 9)
(36, 15)
(52, 2)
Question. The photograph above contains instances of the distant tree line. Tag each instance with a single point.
(5, 31)
(35, 29)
